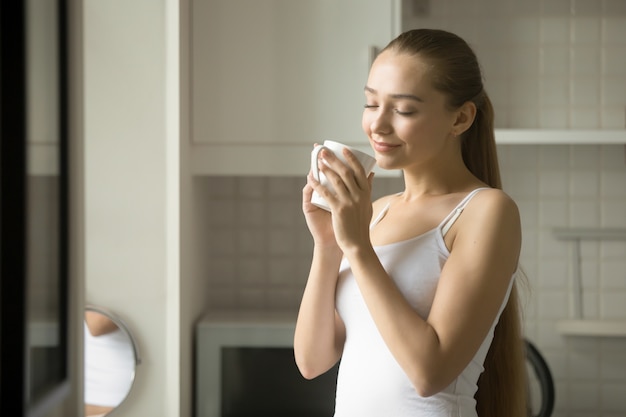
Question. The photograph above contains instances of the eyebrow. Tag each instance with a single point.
(397, 96)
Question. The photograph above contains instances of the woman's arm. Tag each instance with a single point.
(320, 333)
(473, 284)
(98, 324)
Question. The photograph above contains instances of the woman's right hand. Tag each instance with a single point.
(318, 220)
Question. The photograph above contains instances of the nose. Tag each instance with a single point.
(379, 121)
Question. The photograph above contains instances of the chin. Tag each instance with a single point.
(386, 165)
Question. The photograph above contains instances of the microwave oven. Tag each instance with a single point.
(245, 367)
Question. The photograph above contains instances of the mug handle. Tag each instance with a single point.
(314, 161)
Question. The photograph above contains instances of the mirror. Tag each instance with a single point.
(111, 358)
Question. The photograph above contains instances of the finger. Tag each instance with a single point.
(360, 177)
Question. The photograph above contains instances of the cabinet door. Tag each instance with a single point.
(283, 72)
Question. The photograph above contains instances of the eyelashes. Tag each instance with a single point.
(397, 111)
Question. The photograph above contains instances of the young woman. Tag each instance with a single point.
(416, 292)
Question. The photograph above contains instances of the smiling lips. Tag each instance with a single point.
(383, 147)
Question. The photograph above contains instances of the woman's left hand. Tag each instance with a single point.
(351, 203)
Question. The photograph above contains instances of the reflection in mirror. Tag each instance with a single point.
(111, 357)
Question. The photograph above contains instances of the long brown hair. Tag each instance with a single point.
(454, 71)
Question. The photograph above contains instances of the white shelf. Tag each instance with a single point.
(560, 137)
(592, 328)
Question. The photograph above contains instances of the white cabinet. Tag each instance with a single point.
(272, 77)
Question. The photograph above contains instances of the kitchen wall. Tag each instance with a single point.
(255, 248)
(548, 64)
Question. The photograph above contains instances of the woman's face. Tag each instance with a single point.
(405, 118)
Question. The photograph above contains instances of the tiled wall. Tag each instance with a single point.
(547, 63)
(573, 186)
(256, 249)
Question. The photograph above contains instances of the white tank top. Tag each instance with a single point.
(370, 382)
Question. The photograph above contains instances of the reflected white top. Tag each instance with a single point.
(109, 368)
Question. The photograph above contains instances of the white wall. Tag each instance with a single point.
(132, 186)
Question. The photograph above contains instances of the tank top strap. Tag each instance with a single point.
(447, 223)
(381, 214)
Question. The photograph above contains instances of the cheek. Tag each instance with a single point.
(366, 123)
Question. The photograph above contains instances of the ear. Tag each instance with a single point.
(464, 118)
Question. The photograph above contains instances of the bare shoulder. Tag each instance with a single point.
(492, 202)
(491, 212)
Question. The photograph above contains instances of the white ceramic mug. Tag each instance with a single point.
(367, 161)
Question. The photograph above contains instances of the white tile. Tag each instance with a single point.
(284, 212)
(614, 60)
(217, 186)
(613, 117)
(553, 213)
(252, 187)
(584, 214)
(221, 243)
(529, 213)
(587, 7)
(282, 241)
(585, 61)
(284, 299)
(525, 30)
(584, 184)
(525, 90)
(524, 156)
(586, 30)
(554, 117)
(585, 118)
(613, 274)
(614, 27)
(613, 214)
(585, 92)
(251, 212)
(584, 396)
(252, 270)
(584, 364)
(613, 366)
(612, 397)
(613, 90)
(252, 298)
(614, 251)
(554, 274)
(554, 64)
(555, 30)
(555, 91)
(614, 184)
(552, 304)
(591, 305)
(221, 213)
(529, 251)
(554, 157)
(557, 8)
(285, 186)
(613, 305)
(222, 270)
(548, 336)
(526, 8)
(252, 241)
(553, 184)
(282, 270)
(585, 157)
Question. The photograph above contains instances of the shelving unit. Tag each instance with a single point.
(577, 326)
(592, 328)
